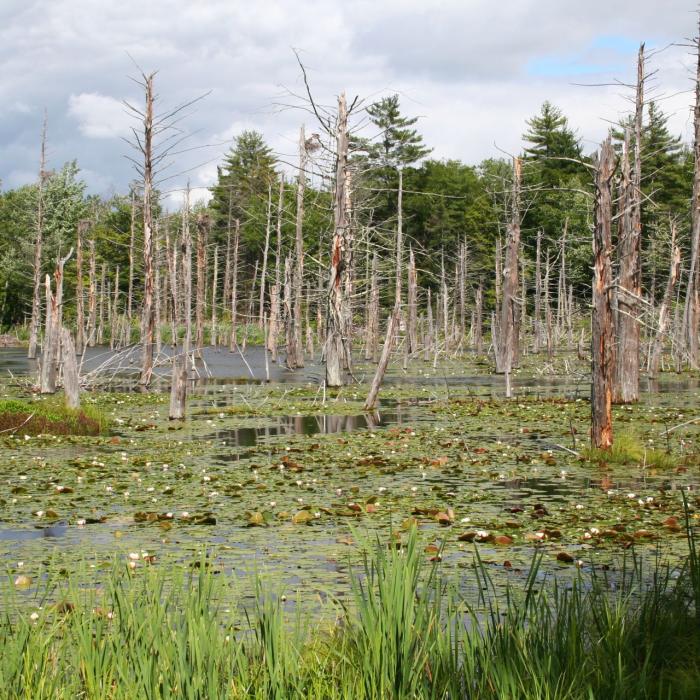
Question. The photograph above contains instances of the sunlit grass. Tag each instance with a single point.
(406, 632)
(49, 416)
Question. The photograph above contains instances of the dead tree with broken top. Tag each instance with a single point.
(337, 348)
(602, 341)
(628, 249)
(508, 331)
(665, 308)
(35, 321)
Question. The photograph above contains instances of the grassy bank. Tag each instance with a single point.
(405, 632)
(42, 416)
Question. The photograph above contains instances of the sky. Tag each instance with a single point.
(473, 71)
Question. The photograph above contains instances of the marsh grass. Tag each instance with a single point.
(49, 417)
(629, 448)
(405, 632)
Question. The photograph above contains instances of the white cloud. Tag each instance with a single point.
(99, 116)
(474, 70)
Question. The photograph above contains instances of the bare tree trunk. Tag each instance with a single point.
(234, 285)
(508, 332)
(462, 290)
(478, 331)
(561, 283)
(178, 389)
(498, 281)
(538, 294)
(47, 379)
(263, 274)
(203, 226)
(92, 298)
(628, 249)
(227, 266)
(275, 301)
(171, 259)
(273, 325)
(691, 315)
(113, 329)
(147, 315)
(79, 293)
(298, 273)
(393, 322)
(35, 322)
(214, 284)
(664, 310)
(430, 330)
(602, 347)
(157, 299)
(130, 293)
(372, 330)
(412, 303)
(52, 334)
(289, 328)
(71, 380)
(101, 304)
(336, 347)
(549, 326)
(307, 323)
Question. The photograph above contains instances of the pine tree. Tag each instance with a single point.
(551, 140)
(241, 190)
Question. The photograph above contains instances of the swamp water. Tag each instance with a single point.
(276, 479)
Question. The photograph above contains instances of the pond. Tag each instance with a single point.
(279, 479)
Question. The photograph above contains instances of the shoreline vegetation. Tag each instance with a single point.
(404, 631)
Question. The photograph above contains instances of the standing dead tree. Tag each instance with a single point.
(203, 227)
(155, 141)
(628, 250)
(337, 350)
(79, 293)
(691, 310)
(181, 290)
(602, 348)
(35, 321)
(507, 351)
(395, 317)
(664, 310)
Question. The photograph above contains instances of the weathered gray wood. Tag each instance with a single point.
(203, 227)
(69, 369)
(372, 329)
(147, 315)
(178, 388)
(664, 309)
(35, 321)
(234, 285)
(626, 388)
(83, 226)
(336, 346)
(214, 284)
(412, 305)
(602, 342)
(505, 360)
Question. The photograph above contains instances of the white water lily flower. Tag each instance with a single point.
(81, 522)
(631, 495)
(595, 531)
(579, 506)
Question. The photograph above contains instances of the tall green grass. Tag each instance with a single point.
(49, 416)
(404, 632)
